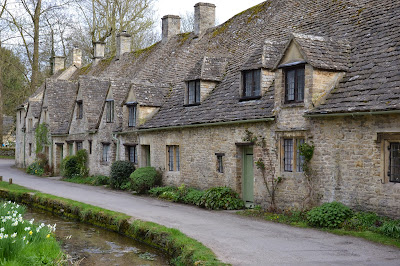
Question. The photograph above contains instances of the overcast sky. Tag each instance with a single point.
(225, 9)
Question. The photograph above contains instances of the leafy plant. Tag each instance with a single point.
(330, 215)
(193, 196)
(364, 221)
(390, 228)
(221, 198)
(101, 180)
(75, 165)
(120, 173)
(307, 151)
(35, 169)
(144, 179)
(41, 137)
(157, 191)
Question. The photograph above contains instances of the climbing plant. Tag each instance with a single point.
(307, 151)
(267, 171)
(41, 137)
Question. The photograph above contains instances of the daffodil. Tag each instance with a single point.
(30, 232)
(48, 236)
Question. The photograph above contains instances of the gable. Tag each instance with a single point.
(292, 54)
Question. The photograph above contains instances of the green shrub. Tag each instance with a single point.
(221, 198)
(390, 228)
(363, 221)
(144, 179)
(169, 195)
(193, 196)
(35, 169)
(82, 158)
(330, 215)
(119, 175)
(101, 180)
(71, 167)
(157, 191)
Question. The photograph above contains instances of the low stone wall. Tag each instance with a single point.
(7, 152)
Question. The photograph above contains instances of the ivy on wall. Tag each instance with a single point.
(41, 137)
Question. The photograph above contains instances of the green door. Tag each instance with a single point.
(248, 177)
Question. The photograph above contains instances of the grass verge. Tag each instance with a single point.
(182, 249)
(298, 219)
(7, 157)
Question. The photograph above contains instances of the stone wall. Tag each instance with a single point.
(7, 152)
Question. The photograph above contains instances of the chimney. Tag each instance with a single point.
(123, 44)
(77, 57)
(99, 48)
(204, 17)
(58, 63)
(171, 26)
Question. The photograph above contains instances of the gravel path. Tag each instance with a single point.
(234, 239)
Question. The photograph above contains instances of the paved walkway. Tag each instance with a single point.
(234, 239)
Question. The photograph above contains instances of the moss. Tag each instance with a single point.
(183, 37)
(222, 28)
(182, 249)
(255, 10)
(137, 53)
(84, 70)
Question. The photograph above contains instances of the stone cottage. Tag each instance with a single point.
(206, 107)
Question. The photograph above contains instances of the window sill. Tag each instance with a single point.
(249, 98)
(191, 104)
(293, 104)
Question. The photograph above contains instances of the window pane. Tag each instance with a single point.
(132, 154)
(106, 148)
(300, 84)
(288, 155)
(256, 83)
(197, 91)
(171, 158)
(108, 111)
(290, 85)
(178, 165)
(220, 164)
(248, 78)
(394, 163)
(192, 88)
(299, 158)
(132, 116)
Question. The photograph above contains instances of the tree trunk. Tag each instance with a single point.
(35, 57)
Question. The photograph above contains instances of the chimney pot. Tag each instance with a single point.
(99, 48)
(58, 63)
(123, 44)
(171, 26)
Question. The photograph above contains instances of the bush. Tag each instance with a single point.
(193, 196)
(120, 172)
(158, 191)
(75, 165)
(35, 169)
(330, 215)
(390, 228)
(221, 198)
(101, 180)
(363, 221)
(144, 179)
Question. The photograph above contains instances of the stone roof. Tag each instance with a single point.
(322, 52)
(61, 97)
(94, 93)
(35, 107)
(360, 37)
(150, 94)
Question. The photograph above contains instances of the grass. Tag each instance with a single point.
(90, 180)
(298, 219)
(182, 249)
(7, 157)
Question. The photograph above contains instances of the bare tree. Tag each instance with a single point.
(187, 21)
(2, 9)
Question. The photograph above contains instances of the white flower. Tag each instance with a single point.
(14, 235)
(31, 221)
(5, 236)
(15, 223)
(27, 228)
(1, 235)
(37, 230)
(24, 238)
(2, 229)
(42, 225)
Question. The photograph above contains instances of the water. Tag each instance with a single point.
(90, 245)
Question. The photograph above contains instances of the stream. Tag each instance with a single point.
(90, 245)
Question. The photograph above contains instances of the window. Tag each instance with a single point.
(251, 83)
(109, 111)
(220, 163)
(106, 152)
(71, 149)
(294, 85)
(394, 162)
(30, 149)
(79, 145)
(131, 152)
(79, 110)
(90, 146)
(193, 92)
(20, 117)
(292, 160)
(173, 158)
(132, 115)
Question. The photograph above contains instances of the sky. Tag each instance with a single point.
(225, 9)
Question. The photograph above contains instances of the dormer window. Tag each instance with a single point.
(79, 109)
(110, 111)
(251, 84)
(294, 84)
(193, 92)
(131, 113)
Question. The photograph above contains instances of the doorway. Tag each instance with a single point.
(248, 177)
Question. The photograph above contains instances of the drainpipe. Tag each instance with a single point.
(51, 152)
(24, 165)
(114, 137)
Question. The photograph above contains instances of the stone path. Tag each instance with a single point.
(234, 239)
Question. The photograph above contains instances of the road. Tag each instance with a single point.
(234, 239)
